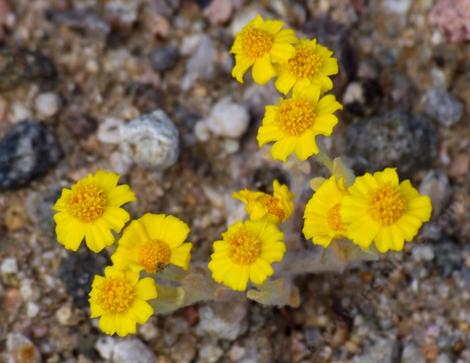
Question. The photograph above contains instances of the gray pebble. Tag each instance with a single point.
(27, 151)
(393, 139)
(443, 107)
(223, 321)
(164, 58)
(151, 141)
(132, 350)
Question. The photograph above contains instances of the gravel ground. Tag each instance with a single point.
(73, 74)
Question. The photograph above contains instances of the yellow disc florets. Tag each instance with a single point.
(333, 218)
(154, 255)
(87, 202)
(256, 42)
(387, 205)
(296, 116)
(272, 206)
(116, 295)
(305, 64)
(244, 247)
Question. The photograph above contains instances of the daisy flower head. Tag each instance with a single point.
(262, 43)
(322, 220)
(119, 299)
(312, 64)
(245, 253)
(152, 242)
(90, 209)
(294, 123)
(275, 208)
(382, 210)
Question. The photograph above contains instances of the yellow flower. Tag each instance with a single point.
(245, 253)
(295, 122)
(311, 64)
(90, 209)
(322, 213)
(381, 209)
(260, 44)
(276, 208)
(153, 242)
(120, 300)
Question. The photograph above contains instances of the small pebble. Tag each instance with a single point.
(222, 321)
(108, 130)
(132, 350)
(19, 112)
(164, 58)
(27, 151)
(47, 104)
(219, 11)
(228, 119)
(209, 353)
(150, 141)
(32, 309)
(105, 346)
(21, 349)
(63, 315)
(9, 266)
(443, 107)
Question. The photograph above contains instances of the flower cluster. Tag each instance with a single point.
(302, 67)
(91, 210)
(373, 211)
(371, 208)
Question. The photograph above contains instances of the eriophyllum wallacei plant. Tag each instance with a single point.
(354, 217)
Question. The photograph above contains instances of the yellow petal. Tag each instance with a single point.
(306, 146)
(107, 324)
(269, 133)
(142, 311)
(120, 195)
(328, 105)
(174, 231)
(146, 289)
(116, 218)
(263, 70)
(283, 148)
(285, 82)
(324, 124)
(242, 63)
(181, 255)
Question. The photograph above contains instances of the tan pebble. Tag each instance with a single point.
(12, 301)
(63, 315)
(460, 165)
(15, 217)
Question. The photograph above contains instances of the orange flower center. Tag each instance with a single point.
(244, 247)
(305, 63)
(87, 202)
(154, 255)
(387, 205)
(116, 295)
(256, 42)
(296, 116)
(333, 218)
(272, 206)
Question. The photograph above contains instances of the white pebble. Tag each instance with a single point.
(63, 314)
(228, 119)
(9, 266)
(151, 141)
(32, 309)
(19, 112)
(47, 104)
(105, 346)
(108, 130)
